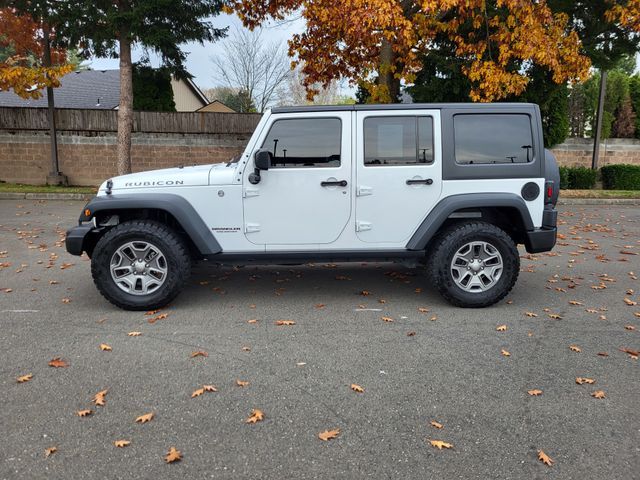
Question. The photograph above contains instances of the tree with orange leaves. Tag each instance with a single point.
(627, 12)
(379, 42)
(23, 67)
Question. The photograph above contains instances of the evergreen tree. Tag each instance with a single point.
(624, 124)
(152, 91)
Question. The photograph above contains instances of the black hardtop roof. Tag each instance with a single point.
(403, 106)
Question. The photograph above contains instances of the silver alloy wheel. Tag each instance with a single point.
(476, 266)
(138, 268)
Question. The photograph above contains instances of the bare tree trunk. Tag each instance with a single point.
(385, 75)
(125, 110)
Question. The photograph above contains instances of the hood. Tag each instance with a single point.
(197, 175)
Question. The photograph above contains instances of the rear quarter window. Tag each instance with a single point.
(487, 139)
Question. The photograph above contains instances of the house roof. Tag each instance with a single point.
(86, 89)
(83, 89)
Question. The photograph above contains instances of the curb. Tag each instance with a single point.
(45, 196)
(599, 201)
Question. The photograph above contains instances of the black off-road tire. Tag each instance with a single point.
(446, 244)
(164, 238)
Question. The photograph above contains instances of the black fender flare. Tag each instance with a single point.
(448, 205)
(180, 208)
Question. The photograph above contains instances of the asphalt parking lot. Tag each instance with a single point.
(433, 362)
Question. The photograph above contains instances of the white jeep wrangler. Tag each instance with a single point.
(452, 186)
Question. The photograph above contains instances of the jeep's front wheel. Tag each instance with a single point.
(473, 264)
(140, 265)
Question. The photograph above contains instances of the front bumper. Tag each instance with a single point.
(74, 242)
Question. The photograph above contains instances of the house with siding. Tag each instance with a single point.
(100, 89)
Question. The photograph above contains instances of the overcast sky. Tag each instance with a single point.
(199, 59)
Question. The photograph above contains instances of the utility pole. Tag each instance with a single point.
(55, 177)
(596, 140)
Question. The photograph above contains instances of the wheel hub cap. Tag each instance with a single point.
(138, 268)
(476, 266)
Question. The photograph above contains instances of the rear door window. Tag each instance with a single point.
(402, 140)
(482, 139)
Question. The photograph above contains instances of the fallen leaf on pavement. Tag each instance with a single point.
(629, 327)
(535, 392)
(583, 380)
(329, 434)
(575, 348)
(386, 319)
(252, 321)
(357, 388)
(574, 302)
(241, 383)
(501, 328)
(122, 443)
(256, 416)
(147, 417)
(99, 398)
(84, 413)
(50, 451)
(505, 353)
(210, 388)
(629, 302)
(285, 323)
(134, 334)
(598, 394)
(104, 347)
(173, 455)
(530, 314)
(25, 378)
(58, 363)
(555, 316)
(439, 444)
(544, 458)
(199, 353)
(436, 424)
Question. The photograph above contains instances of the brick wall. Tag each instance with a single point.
(88, 158)
(577, 152)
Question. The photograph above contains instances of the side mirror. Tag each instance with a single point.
(263, 159)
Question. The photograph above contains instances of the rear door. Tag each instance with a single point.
(398, 172)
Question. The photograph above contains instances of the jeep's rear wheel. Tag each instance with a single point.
(140, 265)
(473, 264)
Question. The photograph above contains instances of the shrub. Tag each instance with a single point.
(564, 178)
(621, 177)
(579, 178)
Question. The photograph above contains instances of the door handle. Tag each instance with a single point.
(337, 183)
(427, 181)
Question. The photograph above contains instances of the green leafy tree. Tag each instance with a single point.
(617, 91)
(107, 28)
(152, 90)
(634, 94)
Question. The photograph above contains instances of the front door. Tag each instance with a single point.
(305, 197)
(398, 173)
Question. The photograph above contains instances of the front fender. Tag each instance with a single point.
(178, 207)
